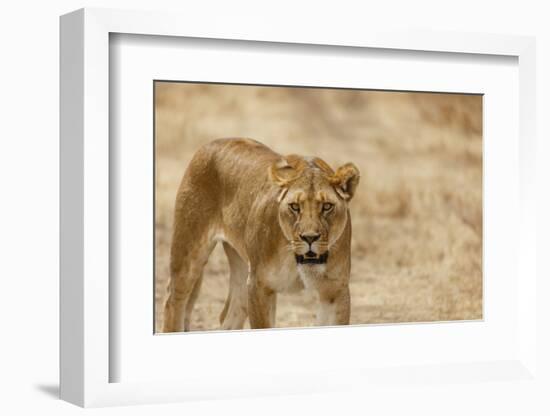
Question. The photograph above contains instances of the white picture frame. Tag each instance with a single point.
(86, 356)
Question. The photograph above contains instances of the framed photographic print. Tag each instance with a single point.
(277, 212)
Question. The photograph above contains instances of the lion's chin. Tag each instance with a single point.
(309, 259)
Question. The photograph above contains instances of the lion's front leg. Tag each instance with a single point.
(261, 305)
(334, 307)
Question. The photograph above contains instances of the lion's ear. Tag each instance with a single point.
(345, 180)
(281, 173)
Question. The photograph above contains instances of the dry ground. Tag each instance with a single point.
(417, 215)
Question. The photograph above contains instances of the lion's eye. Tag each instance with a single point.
(327, 206)
(295, 207)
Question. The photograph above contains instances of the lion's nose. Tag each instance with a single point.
(309, 238)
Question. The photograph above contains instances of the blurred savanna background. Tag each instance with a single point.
(416, 216)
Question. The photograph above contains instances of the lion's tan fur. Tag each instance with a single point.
(238, 191)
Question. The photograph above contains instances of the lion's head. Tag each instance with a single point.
(313, 204)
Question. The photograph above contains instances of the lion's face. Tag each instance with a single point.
(313, 204)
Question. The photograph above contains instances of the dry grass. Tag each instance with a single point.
(417, 215)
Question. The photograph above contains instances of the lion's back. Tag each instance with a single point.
(233, 162)
(225, 174)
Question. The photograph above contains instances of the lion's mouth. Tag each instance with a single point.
(311, 258)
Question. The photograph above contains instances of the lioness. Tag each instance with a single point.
(284, 224)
